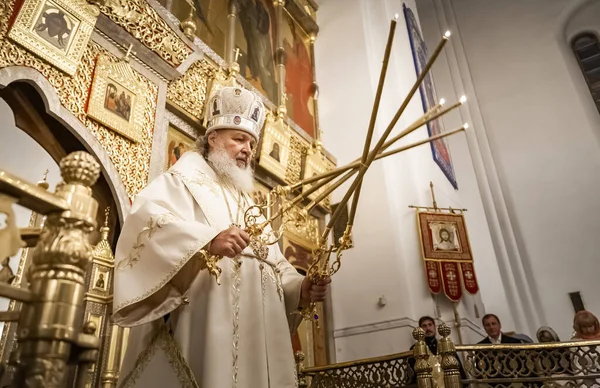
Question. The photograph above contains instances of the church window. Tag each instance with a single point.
(587, 51)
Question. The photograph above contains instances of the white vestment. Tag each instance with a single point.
(236, 334)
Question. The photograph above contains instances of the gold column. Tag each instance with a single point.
(423, 368)
(230, 41)
(280, 58)
(110, 375)
(450, 365)
(51, 332)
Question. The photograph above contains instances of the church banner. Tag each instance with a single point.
(451, 280)
(468, 275)
(447, 254)
(439, 147)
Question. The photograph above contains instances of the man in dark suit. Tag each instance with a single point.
(496, 363)
(427, 323)
(493, 328)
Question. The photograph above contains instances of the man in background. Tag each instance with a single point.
(428, 325)
(493, 328)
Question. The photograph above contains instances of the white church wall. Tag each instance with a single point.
(22, 156)
(386, 260)
(543, 129)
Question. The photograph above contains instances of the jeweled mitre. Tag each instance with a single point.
(233, 107)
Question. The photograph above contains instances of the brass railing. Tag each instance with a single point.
(388, 371)
(548, 365)
(52, 336)
(561, 364)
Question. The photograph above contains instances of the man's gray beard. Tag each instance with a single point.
(227, 169)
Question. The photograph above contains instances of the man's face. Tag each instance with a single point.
(429, 327)
(492, 327)
(237, 144)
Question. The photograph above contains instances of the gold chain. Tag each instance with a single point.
(236, 221)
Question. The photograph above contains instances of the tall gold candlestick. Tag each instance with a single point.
(381, 142)
(367, 146)
(431, 115)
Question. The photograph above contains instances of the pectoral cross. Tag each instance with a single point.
(237, 54)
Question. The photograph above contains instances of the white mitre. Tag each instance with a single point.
(234, 107)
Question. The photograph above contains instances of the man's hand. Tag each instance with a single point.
(313, 292)
(230, 242)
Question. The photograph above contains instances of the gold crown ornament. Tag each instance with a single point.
(233, 107)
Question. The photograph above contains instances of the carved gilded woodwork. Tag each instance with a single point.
(132, 160)
(57, 31)
(189, 92)
(274, 154)
(317, 163)
(298, 149)
(141, 20)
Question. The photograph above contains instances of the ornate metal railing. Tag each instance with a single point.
(548, 365)
(389, 371)
(561, 364)
(52, 335)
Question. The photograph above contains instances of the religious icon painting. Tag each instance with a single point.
(101, 279)
(299, 80)
(178, 143)
(447, 254)
(439, 147)
(118, 98)
(211, 21)
(57, 31)
(256, 27)
(275, 148)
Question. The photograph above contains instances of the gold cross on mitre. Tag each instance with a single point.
(237, 54)
(284, 99)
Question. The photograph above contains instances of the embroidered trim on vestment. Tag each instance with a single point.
(162, 340)
(156, 221)
(183, 261)
(236, 265)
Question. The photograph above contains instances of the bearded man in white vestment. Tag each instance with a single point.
(188, 331)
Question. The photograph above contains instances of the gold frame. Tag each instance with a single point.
(317, 163)
(118, 74)
(80, 14)
(462, 254)
(275, 133)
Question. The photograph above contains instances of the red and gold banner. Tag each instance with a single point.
(434, 277)
(451, 280)
(469, 278)
(447, 254)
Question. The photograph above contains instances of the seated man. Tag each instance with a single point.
(493, 328)
(427, 323)
(498, 364)
(189, 331)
